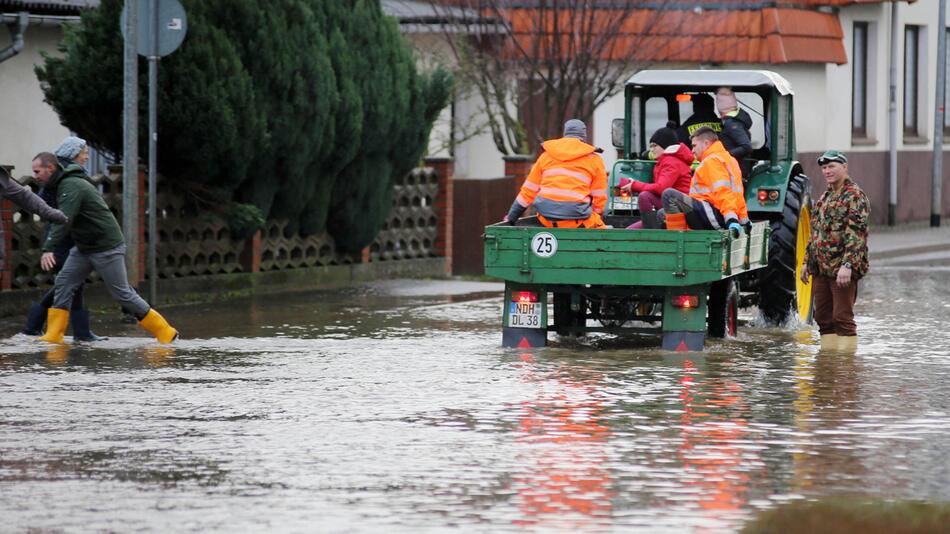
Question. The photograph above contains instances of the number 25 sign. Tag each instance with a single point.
(544, 245)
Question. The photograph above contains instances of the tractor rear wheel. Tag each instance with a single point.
(568, 321)
(723, 309)
(782, 295)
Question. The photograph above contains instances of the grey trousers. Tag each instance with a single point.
(110, 265)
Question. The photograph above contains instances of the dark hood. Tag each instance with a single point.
(742, 116)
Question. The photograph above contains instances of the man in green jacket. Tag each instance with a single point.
(100, 246)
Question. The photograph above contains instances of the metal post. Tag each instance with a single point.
(152, 153)
(130, 142)
(892, 121)
(936, 197)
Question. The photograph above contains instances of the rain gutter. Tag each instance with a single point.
(17, 28)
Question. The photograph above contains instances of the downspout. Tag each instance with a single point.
(892, 120)
(16, 34)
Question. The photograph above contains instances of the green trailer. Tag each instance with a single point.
(684, 284)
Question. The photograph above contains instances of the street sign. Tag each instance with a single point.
(171, 25)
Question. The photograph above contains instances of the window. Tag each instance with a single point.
(859, 89)
(657, 113)
(911, 85)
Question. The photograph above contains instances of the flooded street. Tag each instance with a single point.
(393, 408)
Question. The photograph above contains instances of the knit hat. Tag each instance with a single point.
(70, 148)
(665, 136)
(726, 100)
(575, 128)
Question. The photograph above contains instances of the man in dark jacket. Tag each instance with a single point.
(704, 115)
(27, 200)
(736, 127)
(100, 246)
(45, 167)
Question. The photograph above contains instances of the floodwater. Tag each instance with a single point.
(391, 407)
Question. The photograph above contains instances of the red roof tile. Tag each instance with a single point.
(769, 36)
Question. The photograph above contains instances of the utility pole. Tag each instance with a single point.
(892, 121)
(153, 58)
(130, 143)
(936, 197)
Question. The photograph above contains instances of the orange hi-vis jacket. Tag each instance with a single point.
(718, 180)
(568, 182)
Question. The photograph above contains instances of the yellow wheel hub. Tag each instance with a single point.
(802, 291)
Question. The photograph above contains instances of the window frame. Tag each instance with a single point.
(946, 85)
(911, 98)
(860, 64)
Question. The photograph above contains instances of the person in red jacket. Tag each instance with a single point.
(672, 170)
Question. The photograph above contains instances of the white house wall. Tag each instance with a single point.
(27, 124)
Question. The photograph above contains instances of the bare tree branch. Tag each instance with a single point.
(535, 63)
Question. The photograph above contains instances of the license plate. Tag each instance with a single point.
(524, 315)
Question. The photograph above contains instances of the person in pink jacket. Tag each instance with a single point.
(672, 170)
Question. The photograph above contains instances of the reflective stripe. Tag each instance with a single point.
(598, 192)
(699, 189)
(522, 202)
(562, 209)
(723, 183)
(730, 215)
(567, 172)
(710, 215)
(531, 186)
(547, 191)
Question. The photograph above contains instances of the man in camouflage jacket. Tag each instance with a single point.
(837, 253)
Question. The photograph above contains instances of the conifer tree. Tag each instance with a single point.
(305, 109)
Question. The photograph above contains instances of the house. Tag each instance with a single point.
(29, 125)
(835, 53)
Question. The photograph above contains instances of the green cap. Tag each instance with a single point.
(832, 155)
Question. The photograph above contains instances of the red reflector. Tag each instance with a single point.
(524, 296)
(682, 97)
(685, 301)
(625, 194)
(763, 195)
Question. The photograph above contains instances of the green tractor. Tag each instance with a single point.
(686, 284)
(776, 188)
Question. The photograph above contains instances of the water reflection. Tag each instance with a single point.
(567, 480)
(392, 407)
(713, 426)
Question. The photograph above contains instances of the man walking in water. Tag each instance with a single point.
(100, 246)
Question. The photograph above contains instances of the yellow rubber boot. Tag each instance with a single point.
(847, 343)
(56, 321)
(158, 327)
(676, 221)
(829, 342)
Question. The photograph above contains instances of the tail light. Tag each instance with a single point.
(524, 296)
(685, 301)
(768, 195)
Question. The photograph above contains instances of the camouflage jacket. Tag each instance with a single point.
(839, 232)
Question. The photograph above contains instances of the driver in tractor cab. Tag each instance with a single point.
(567, 184)
(716, 200)
(704, 114)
